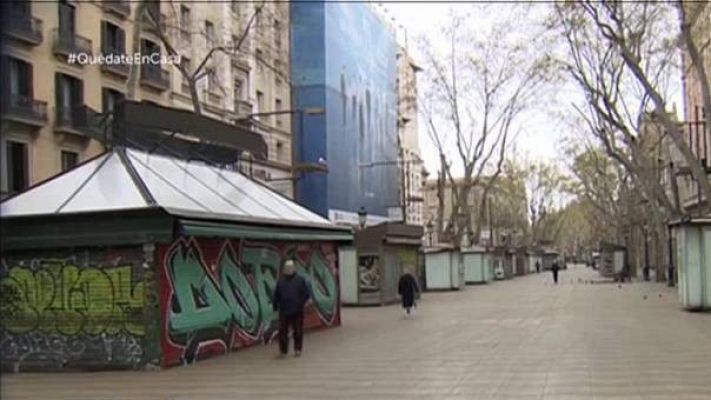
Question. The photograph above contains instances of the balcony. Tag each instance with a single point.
(243, 108)
(66, 43)
(23, 109)
(239, 61)
(155, 77)
(79, 120)
(211, 96)
(122, 8)
(150, 25)
(23, 27)
(114, 67)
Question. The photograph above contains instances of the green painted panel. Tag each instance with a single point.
(348, 270)
(437, 270)
(215, 229)
(474, 268)
(109, 229)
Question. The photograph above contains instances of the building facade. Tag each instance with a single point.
(412, 167)
(344, 60)
(48, 101)
(696, 132)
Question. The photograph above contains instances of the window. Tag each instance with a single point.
(212, 83)
(277, 72)
(260, 58)
(185, 64)
(210, 33)
(184, 18)
(277, 107)
(70, 96)
(67, 26)
(280, 156)
(113, 39)
(260, 102)
(149, 47)
(20, 86)
(238, 91)
(110, 99)
(16, 167)
(277, 34)
(69, 159)
(153, 9)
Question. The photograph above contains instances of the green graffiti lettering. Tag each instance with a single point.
(71, 300)
(239, 295)
(129, 299)
(323, 286)
(197, 303)
(265, 268)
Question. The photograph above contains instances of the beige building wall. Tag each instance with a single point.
(700, 139)
(411, 159)
(45, 141)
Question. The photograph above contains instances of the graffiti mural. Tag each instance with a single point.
(73, 310)
(369, 273)
(216, 294)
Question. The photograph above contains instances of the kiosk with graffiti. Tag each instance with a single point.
(65, 310)
(216, 294)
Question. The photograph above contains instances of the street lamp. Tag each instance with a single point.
(362, 217)
(430, 229)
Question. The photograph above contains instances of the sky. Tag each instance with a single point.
(542, 136)
(544, 132)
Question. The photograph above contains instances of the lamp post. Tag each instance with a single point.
(362, 217)
(430, 229)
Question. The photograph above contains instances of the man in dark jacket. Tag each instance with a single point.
(407, 288)
(290, 296)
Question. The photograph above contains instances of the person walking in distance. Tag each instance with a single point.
(407, 288)
(538, 266)
(555, 268)
(290, 297)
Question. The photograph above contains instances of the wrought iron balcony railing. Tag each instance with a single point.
(24, 109)
(155, 77)
(23, 27)
(119, 7)
(66, 43)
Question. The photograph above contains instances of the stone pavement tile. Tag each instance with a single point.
(511, 339)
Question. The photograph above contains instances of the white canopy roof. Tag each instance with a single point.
(138, 180)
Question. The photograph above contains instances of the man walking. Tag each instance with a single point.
(407, 288)
(290, 296)
(555, 268)
(538, 266)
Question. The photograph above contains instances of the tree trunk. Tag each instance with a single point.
(672, 128)
(133, 71)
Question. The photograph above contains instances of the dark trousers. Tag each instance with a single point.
(555, 276)
(296, 322)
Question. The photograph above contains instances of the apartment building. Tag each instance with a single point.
(52, 109)
(411, 177)
(696, 132)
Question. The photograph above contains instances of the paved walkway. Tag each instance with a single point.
(516, 339)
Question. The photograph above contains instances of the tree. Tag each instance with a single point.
(544, 190)
(170, 32)
(622, 60)
(475, 91)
